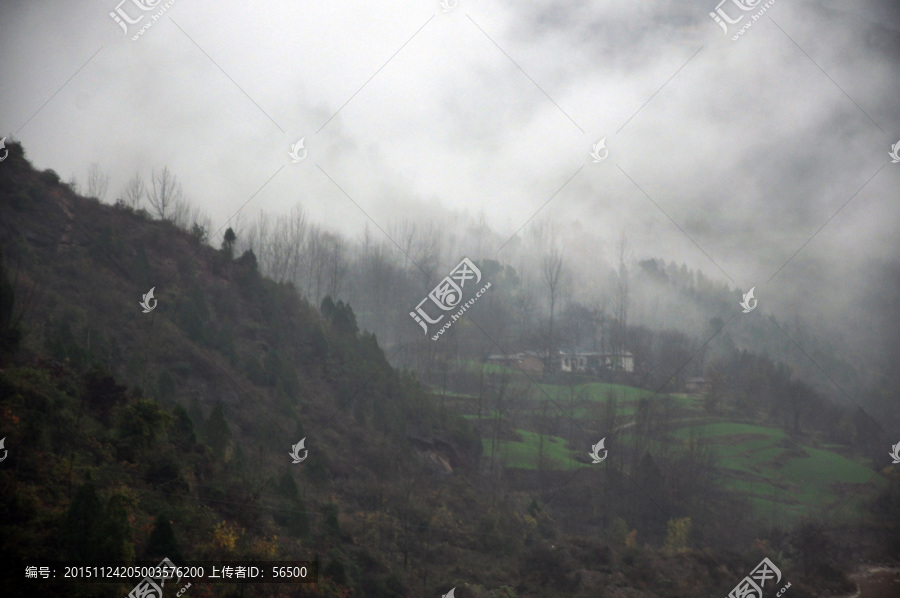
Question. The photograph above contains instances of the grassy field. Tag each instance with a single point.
(526, 454)
(783, 481)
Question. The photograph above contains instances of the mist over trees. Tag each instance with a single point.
(164, 193)
(554, 289)
(97, 182)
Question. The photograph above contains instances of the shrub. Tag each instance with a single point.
(140, 424)
(199, 234)
(677, 533)
(49, 177)
(162, 542)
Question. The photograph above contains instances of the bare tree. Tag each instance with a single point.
(426, 252)
(259, 239)
(336, 264)
(97, 182)
(134, 191)
(181, 213)
(284, 242)
(297, 228)
(280, 245)
(552, 269)
(578, 323)
(524, 306)
(800, 399)
(281, 253)
(621, 298)
(190, 217)
(325, 264)
(164, 192)
(481, 231)
(499, 384)
(421, 247)
(315, 264)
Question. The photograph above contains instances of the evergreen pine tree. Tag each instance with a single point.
(115, 542)
(162, 542)
(228, 242)
(218, 434)
(80, 527)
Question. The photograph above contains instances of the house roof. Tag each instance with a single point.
(595, 354)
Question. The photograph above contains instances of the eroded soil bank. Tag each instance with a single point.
(876, 582)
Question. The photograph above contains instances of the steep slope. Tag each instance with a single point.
(187, 413)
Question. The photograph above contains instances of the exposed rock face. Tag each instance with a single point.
(442, 454)
(437, 463)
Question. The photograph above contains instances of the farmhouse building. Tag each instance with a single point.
(592, 361)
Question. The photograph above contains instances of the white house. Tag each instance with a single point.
(591, 361)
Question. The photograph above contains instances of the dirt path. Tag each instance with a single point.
(674, 421)
(876, 582)
(884, 583)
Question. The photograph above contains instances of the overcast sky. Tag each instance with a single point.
(749, 146)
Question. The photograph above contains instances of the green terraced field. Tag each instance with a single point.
(730, 428)
(524, 455)
(784, 481)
